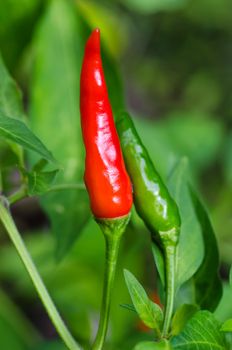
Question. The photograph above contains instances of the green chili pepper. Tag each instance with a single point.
(151, 197)
(154, 205)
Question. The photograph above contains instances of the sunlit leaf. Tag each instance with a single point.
(11, 103)
(10, 95)
(201, 332)
(190, 248)
(149, 312)
(162, 345)
(227, 326)
(55, 115)
(16, 131)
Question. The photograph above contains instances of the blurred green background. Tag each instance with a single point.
(169, 63)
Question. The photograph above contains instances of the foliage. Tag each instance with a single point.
(169, 62)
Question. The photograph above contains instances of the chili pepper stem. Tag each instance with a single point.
(170, 264)
(112, 247)
(11, 229)
(112, 230)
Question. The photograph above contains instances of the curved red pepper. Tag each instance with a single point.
(106, 179)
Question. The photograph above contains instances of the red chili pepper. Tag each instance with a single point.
(106, 179)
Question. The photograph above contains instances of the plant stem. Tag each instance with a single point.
(113, 230)
(170, 261)
(15, 237)
(23, 191)
(63, 187)
(112, 248)
(18, 195)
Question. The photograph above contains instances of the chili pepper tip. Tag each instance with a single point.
(93, 43)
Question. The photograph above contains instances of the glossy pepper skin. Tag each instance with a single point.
(106, 179)
(151, 197)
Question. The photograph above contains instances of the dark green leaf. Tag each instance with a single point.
(208, 286)
(181, 316)
(190, 249)
(114, 83)
(16, 131)
(227, 326)
(149, 312)
(159, 261)
(228, 159)
(231, 276)
(147, 345)
(201, 332)
(128, 307)
(55, 115)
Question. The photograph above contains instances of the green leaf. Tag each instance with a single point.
(147, 345)
(224, 310)
(55, 116)
(185, 294)
(231, 276)
(10, 95)
(181, 316)
(227, 326)
(201, 332)
(190, 248)
(149, 312)
(40, 182)
(16, 131)
(208, 286)
(11, 103)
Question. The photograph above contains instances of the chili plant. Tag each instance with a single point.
(50, 165)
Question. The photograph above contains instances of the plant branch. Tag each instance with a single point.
(22, 192)
(16, 239)
(63, 187)
(18, 195)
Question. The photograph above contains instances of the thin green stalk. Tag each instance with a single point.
(112, 248)
(15, 237)
(170, 265)
(18, 195)
(113, 230)
(63, 187)
(23, 191)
